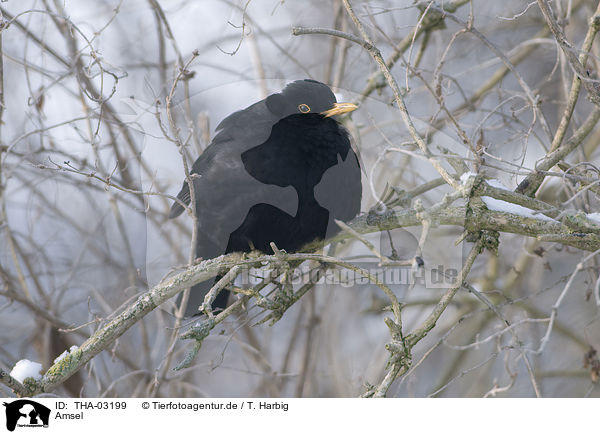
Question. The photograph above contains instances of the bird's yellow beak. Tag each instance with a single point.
(339, 108)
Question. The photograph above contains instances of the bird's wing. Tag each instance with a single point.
(344, 176)
(225, 196)
(224, 190)
(236, 133)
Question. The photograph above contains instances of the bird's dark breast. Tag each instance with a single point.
(313, 155)
(265, 224)
(300, 149)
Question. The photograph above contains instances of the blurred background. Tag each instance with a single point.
(88, 163)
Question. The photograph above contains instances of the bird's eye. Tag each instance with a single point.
(303, 108)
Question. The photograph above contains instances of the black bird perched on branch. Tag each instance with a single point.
(281, 170)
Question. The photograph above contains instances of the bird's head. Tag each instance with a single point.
(307, 96)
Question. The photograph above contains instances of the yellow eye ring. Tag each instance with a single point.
(304, 108)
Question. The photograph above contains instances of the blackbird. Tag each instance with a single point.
(281, 170)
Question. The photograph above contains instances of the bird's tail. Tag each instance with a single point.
(197, 294)
(206, 249)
